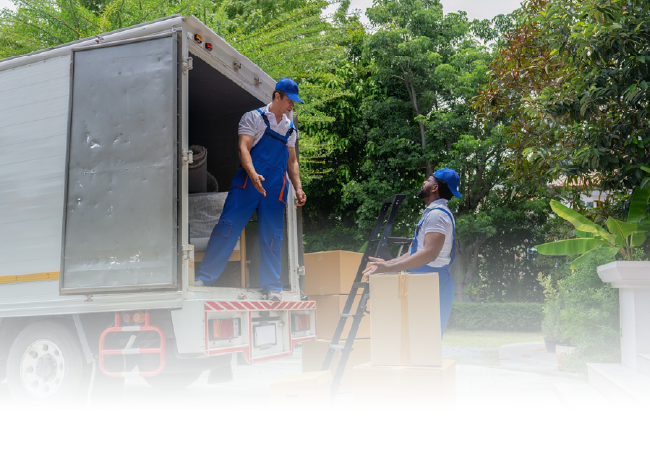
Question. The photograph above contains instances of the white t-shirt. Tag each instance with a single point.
(437, 221)
(252, 124)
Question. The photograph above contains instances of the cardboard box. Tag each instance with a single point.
(328, 313)
(401, 384)
(405, 320)
(302, 388)
(328, 273)
(313, 355)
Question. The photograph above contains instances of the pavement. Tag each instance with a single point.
(526, 377)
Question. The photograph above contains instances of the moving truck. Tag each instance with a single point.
(97, 252)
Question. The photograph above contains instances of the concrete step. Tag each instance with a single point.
(580, 395)
(643, 363)
(620, 384)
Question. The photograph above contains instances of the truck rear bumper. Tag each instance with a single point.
(264, 330)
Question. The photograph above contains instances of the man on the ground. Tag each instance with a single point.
(434, 241)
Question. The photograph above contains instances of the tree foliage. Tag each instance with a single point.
(572, 81)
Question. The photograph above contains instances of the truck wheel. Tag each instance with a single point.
(172, 381)
(45, 363)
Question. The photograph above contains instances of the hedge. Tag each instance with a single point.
(496, 316)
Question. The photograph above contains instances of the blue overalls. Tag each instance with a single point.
(269, 157)
(445, 279)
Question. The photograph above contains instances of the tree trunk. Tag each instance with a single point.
(423, 138)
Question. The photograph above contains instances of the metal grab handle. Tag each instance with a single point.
(132, 351)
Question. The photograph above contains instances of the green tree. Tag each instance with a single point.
(573, 77)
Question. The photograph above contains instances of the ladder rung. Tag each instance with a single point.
(338, 347)
(348, 315)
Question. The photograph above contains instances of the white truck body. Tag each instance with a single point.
(66, 246)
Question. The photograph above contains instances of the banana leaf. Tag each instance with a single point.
(584, 234)
(638, 238)
(608, 251)
(640, 198)
(570, 246)
(622, 230)
(579, 221)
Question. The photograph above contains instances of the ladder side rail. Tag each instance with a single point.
(345, 354)
(382, 246)
(370, 250)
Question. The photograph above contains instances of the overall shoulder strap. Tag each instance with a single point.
(264, 118)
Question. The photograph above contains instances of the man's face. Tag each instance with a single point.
(427, 188)
(285, 105)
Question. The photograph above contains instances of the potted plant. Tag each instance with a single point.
(629, 276)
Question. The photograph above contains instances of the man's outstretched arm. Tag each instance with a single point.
(433, 243)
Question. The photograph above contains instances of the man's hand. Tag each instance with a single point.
(301, 197)
(257, 182)
(378, 266)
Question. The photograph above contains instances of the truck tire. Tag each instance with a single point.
(173, 381)
(45, 364)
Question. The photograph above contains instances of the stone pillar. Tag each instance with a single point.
(632, 278)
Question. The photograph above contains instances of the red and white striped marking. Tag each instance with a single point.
(257, 306)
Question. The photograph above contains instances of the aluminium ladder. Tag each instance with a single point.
(377, 247)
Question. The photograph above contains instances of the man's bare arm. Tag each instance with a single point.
(293, 169)
(433, 243)
(245, 145)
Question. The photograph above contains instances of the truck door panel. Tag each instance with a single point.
(122, 202)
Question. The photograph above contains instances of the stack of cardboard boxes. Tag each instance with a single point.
(406, 353)
(328, 281)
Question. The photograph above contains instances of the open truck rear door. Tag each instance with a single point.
(122, 198)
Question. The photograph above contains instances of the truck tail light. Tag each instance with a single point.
(133, 317)
(138, 317)
(208, 46)
(198, 38)
(224, 329)
(300, 322)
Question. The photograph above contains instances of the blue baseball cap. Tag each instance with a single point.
(289, 87)
(450, 177)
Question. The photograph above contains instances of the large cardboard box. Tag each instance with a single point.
(313, 355)
(401, 384)
(328, 313)
(405, 320)
(302, 388)
(328, 273)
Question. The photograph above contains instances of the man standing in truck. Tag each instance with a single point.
(267, 140)
(434, 241)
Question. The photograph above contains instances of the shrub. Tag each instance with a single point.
(496, 316)
(552, 322)
(590, 314)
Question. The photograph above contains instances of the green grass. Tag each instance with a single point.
(487, 339)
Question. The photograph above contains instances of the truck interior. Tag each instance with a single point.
(215, 106)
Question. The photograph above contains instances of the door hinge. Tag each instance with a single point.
(301, 270)
(188, 156)
(188, 64)
(188, 253)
